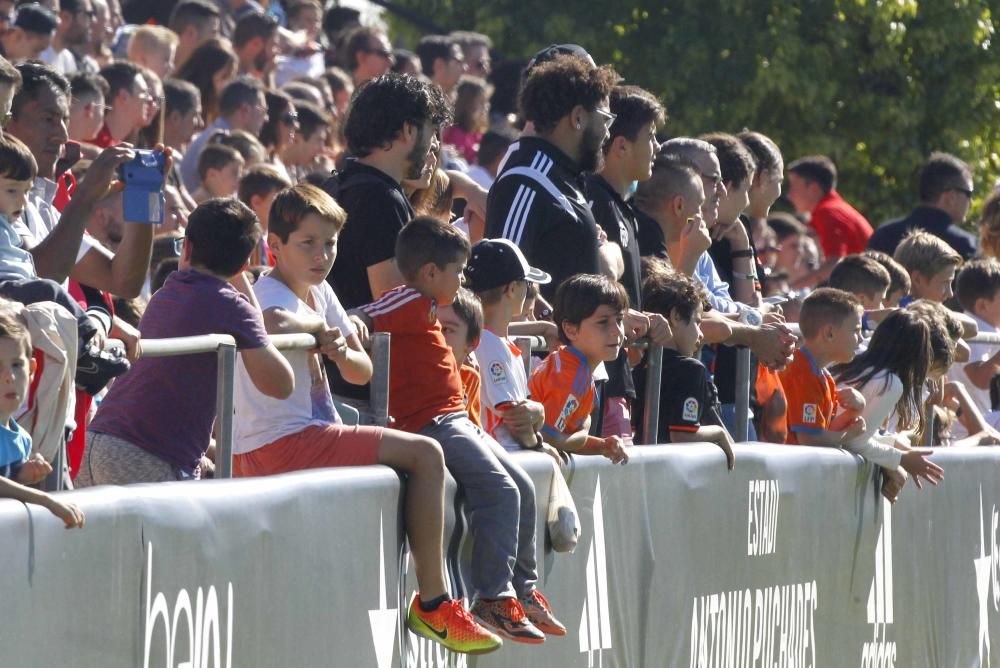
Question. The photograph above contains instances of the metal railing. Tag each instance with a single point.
(224, 346)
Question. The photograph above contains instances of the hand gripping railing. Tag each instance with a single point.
(654, 362)
(224, 346)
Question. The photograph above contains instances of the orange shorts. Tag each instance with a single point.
(314, 447)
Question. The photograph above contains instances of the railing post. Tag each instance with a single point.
(379, 394)
(651, 414)
(742, 395)
(224, 410)
(524, 343)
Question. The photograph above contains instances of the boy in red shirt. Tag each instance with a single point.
(589, 312)
(830, 321)
(426, 397)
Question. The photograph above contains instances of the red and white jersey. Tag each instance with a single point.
(504, 381)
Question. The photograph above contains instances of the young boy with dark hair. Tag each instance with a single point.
(899, 278)
(830, 321)
(17, 466)
(589, 311)
(499, 275)
(426, 397)
(864, 278)
(979, 294)
(259, 185)
(462, 325)
(689, 402)
(304, 430)
(156, 421)
(18, 278)
(219, 170)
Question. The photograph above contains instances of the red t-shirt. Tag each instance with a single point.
(811, 394)
(841, 228)
(424, 382)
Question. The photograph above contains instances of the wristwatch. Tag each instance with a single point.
(751, 316)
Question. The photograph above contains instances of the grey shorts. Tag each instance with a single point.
(109, 460)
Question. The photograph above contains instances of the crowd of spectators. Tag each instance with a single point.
(319, 180)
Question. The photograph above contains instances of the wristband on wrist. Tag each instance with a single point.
(741, 253)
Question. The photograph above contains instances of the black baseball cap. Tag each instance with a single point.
(496, 262)
(37, 19)
(553, 51)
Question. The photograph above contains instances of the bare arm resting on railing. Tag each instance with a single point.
(268, 369)
(346, 352)
(69, 513)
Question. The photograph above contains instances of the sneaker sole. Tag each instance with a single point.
(550, 630)
(416, 624)
(504, 634)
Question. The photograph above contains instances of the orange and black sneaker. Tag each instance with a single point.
(452, 626)
(539, 612)
(507, 616)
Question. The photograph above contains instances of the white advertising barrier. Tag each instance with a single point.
(792, 559)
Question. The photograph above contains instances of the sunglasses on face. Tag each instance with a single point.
(289, 118)
(607, 116)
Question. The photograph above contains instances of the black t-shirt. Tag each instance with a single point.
(723, 363)
(688, 399)
(376, 210)
(538, 202)
(651, 242)
(617, 218)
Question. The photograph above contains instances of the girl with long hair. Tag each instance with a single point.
(471, 118)
(890, 375)
(210, 68)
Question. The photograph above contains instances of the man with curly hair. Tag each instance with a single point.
(538, 200)
(392, 125)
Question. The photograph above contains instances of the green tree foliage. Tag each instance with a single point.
(875, 84)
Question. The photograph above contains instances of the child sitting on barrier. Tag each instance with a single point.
(890, 375)
(17, 467)
(155, 424)
(689, 402)
(425, 396)
(304, 430)
(462, 324)
(589, 311)
(499, 275)
(830, 321)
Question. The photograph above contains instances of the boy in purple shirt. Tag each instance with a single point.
(156, 421)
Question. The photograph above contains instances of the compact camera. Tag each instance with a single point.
(142, 198)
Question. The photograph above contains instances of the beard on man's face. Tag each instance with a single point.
(417, 158)
(592, 150)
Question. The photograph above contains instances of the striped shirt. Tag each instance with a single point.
(538, 202)
(424, 381)
(565, 386)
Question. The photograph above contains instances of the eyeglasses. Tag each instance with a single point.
(608, 117)
(967, 193)
(716, 179)
(290, 118)
(178, 246)
(89, 13)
